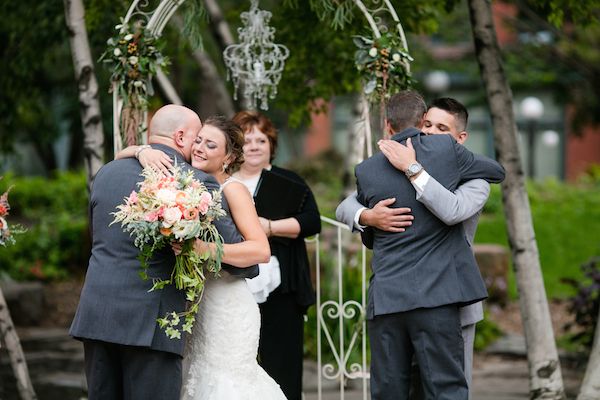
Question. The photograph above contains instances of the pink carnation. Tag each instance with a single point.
(205, 202)
(190, 214)
(133, 198)
(151, 216)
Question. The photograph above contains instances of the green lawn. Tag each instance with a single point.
(567, 227)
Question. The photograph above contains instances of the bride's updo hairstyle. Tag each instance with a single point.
(234, 140)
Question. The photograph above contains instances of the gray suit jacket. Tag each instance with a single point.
(464, 205)
(431, 264)
(115, 305)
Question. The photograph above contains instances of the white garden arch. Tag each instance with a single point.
(339, 310)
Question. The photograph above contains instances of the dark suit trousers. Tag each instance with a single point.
(433, 336)
(119, 372)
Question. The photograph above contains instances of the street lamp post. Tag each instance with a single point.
(532, 110)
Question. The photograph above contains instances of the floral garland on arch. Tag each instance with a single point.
(134, 56)
(383, 65)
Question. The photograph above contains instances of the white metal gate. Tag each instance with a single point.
(336, 309)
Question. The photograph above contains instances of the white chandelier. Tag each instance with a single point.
(256, 61)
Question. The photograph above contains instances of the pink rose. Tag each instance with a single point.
(170, 216)
(205, 202)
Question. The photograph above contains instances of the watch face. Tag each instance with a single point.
(414, 168)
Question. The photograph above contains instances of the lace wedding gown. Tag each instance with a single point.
(220, 355)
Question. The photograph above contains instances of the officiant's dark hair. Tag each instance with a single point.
(249, 119)
(234, 140)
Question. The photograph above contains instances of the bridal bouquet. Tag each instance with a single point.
(168, 209)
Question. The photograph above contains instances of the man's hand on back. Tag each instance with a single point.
(399, 155)
(383, 217)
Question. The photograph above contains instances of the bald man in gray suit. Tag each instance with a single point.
(127, 355)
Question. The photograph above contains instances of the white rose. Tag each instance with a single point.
(373, 52)
(133, 60)
(183, 229)
(171, 216)
(396, 57)
(166, 196)
(117, 52)
(128, 37)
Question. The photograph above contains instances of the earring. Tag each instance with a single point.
(225, 165)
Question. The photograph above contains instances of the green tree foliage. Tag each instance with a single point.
(36, 74)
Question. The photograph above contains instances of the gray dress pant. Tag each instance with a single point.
(120, 372)
(433, 336)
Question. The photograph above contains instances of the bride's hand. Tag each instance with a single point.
(176, 246)
(156, 159)
(202, 247)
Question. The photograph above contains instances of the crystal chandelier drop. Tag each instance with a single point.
(256, 62)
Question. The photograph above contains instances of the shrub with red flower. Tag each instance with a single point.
(6, 232)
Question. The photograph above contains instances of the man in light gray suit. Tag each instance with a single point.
(422, 276)
(127, 355)
(444, 116)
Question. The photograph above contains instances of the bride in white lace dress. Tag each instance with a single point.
(220, 356)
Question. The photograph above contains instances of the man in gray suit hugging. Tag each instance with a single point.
(421, 276)
(444, 116)
(127, 355)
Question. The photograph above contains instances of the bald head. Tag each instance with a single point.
(175, 126)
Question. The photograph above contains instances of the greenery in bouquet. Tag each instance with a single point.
(7, 232)
(134, 56)
(383, 64)
(168, 209)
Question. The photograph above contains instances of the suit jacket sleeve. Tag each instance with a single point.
(453, 208)
(347, 209)
(367, 234)
(474, 166)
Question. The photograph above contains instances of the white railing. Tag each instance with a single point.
(336, 309)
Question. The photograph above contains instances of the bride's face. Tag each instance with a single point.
(209, 151)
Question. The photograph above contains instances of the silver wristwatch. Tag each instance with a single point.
(413, 169)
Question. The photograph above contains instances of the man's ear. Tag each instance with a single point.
(421, 122)
(462, 137)
(178, 138)
(388, 131)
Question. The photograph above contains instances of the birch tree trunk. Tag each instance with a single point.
(590, 387)
(9, 337)
(91, 118)
(545, 378)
